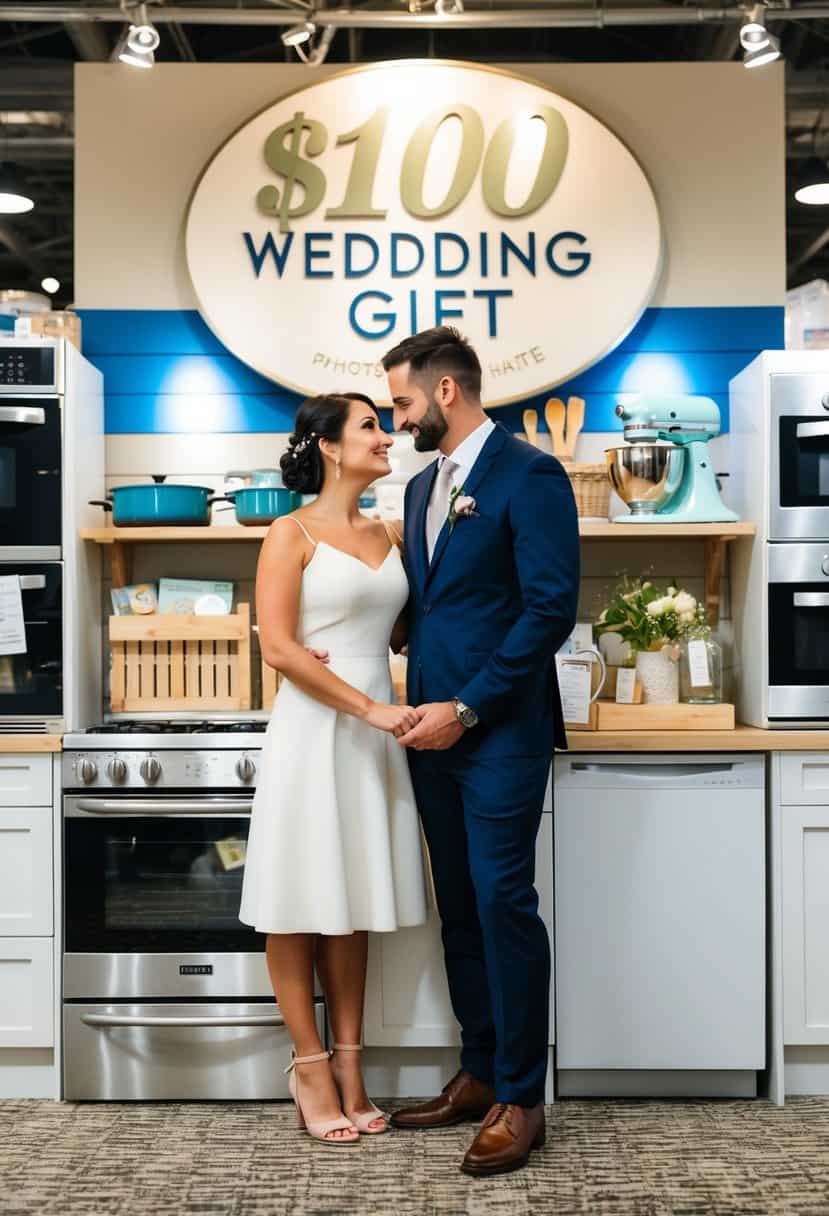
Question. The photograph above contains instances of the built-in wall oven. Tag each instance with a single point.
(31, 427)
(166, 992)
(31, 683)
(798, 632)
(799, 458)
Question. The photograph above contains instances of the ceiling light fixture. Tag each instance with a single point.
(753, 32)
(50, 284)
(813, 183)
(295, 35)
(767, 53)
(15, 198)
(124, 53)
(142, 36)
(448, 8)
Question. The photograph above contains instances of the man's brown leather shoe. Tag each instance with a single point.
(508, 1135)
(465, 1097)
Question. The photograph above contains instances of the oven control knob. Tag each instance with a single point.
(245, 769)
(150, 770)
(117, 771)
(824, 565)
(87, 771)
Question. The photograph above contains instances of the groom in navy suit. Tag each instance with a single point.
(492, 555)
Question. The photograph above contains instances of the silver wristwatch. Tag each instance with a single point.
(466, 716)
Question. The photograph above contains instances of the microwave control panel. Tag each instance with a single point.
(23, 367)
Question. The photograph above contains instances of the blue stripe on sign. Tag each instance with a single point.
(165, 372)
(183, 332)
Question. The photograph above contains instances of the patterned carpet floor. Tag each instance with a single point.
(692, 1158)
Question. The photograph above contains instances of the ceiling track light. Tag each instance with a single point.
(448, 8)
(15, 197)
(767, 53)
(753, 32)
(296, 35)
(813, 183)
(124, 53)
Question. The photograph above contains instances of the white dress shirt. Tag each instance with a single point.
(468, 451)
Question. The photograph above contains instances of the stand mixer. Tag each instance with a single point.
(664, 472)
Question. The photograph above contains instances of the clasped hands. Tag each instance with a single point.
(430, 727)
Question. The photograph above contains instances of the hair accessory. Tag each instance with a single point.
(303, 443)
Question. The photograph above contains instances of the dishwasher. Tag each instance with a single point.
(659, 865)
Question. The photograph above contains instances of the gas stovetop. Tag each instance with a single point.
(163, 754)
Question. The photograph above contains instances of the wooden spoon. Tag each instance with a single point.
(575, 421)
(554, 416)
(531, 426)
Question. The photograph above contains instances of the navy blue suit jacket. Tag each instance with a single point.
(498, 599)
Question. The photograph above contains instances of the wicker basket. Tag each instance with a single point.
(591, 488)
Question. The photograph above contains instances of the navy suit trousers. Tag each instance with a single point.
(481, 819)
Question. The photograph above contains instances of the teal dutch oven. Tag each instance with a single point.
(159, 503)
(262, 504)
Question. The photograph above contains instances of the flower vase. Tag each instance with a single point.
(659, 676)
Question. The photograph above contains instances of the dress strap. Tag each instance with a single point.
(301, 525)
(393, 535)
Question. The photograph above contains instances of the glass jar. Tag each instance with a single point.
(700, 669)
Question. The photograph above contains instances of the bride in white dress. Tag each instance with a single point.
(334, 848)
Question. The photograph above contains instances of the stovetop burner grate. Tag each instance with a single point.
(169, 726)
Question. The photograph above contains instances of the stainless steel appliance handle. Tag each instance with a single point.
(159, 806)
(812, 430)
(23, 413)
(257, 1019)
(32, 582)
(811, 599)
(653, 770)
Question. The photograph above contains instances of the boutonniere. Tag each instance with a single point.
(461, 506)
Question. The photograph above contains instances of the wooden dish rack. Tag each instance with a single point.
(169, 662)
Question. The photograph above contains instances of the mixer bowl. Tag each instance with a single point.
(645, 475)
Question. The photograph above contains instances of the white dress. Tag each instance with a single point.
(334, 842)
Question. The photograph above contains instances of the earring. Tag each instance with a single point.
(337, 469)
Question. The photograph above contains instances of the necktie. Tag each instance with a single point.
(439, 503)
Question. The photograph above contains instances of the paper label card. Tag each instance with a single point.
(698, 664)
(574, 687)
(12, 627)
(625, 685)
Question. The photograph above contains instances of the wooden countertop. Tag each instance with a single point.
(31, 743)
(741, 739)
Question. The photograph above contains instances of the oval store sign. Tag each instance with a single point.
(398, 196)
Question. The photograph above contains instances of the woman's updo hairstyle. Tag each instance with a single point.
(322, 417)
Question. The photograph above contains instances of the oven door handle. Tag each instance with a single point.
(811, 599)
(256, 1019)
(177, 806)
(30, 414)
(812, 430)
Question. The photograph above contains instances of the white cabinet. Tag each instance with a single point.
(805, 917)
(25, 780)
(26, 871)
(27, 997)
(407, 998)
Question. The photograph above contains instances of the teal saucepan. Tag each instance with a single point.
(262, 504)
(159, 503)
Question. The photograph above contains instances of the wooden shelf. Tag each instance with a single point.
(112, 536)
(587, 529)
(714, 536)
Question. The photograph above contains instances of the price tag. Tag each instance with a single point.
(625, 685)
(698, 664)
(574, 687)
(12, 628)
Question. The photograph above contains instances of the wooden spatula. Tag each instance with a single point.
(554, 416)
(531, 426)
(575, 421)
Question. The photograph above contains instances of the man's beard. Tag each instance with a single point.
(431, 429)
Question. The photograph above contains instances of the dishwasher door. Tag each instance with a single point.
(660, 912)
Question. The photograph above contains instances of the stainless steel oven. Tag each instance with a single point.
(31, 426)
(799, 457)
(798, 632)
(31, 684)
(166, 992)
